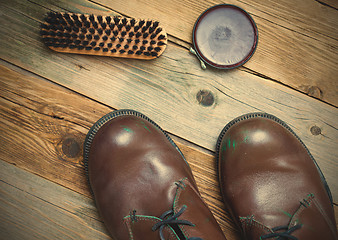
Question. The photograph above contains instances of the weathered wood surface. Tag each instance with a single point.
(34, 208)
(43, 133)
(43, 124)
(298, 46)
(166, 88)
(298, 40)
(330, 3)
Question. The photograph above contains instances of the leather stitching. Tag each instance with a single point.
(127, 220)
(326, 217)
(250, 221)
(184, 182)
(303, 205)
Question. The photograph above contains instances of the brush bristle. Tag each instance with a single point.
(103, 35)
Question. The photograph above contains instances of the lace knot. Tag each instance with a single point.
(170, 217)
(282, 235)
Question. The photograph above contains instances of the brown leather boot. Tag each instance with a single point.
(271, 183)
(142, 185)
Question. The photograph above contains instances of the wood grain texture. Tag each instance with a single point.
(329, 3)
(298, 40)
(105, 42)
(165, 89)
(34, 208)
(45, 134)
(36, 122)
(288, 55)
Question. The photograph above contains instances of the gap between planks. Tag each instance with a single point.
(38, 140)
(32, 204)
(35, 208)
(166, 89)
(301, 62)
(297, 46)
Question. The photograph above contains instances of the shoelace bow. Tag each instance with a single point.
(172, 220)
(282, 235)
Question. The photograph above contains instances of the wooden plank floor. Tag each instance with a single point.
(50, 100)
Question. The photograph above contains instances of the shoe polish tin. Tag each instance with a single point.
(224, 36)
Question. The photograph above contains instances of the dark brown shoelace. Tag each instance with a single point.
(170, 218)
(282, 235)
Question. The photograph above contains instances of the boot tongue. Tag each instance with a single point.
(253, 229)
(307, 215)
(302, 224)
(189, 218)
(281, 224)
(205, 225)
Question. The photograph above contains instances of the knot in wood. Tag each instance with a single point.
(315, 130)
(70, 147)
(205, 97)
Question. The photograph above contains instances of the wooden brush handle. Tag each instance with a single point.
(104, 35)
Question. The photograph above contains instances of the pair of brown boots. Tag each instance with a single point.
(144, 188)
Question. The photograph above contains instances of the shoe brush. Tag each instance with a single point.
(103, 35)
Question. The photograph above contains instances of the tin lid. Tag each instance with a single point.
(225, 36)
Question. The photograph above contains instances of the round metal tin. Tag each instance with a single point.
(225, 36)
